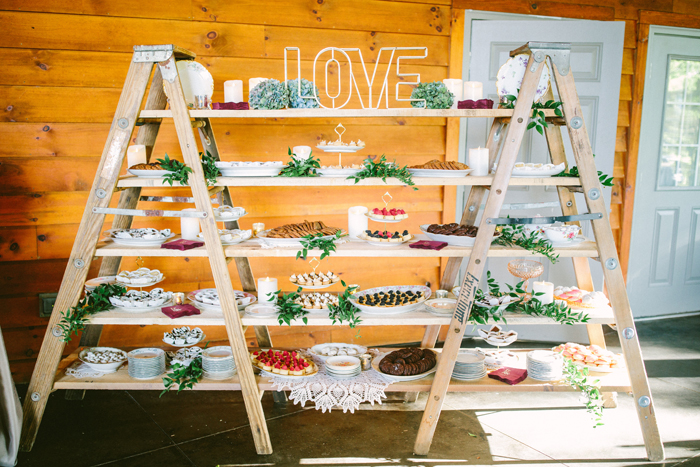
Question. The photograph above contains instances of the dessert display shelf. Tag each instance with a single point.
(618, 380)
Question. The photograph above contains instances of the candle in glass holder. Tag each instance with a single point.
(189, 226)
(179, 298)
(455, 87)
(233, 90)
(473, 90)
(136, 154)
(357, 221)
(479, 161)
(547, 288)
(258, 227)
(267, 289)
(252, 82)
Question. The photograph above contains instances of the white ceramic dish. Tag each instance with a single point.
(530, 170)
(337, 172)
(264, 169)
(440, 173)
(330, 148)
(317, 350)
(289, 241)
(375, 365)
(235, 214)
(342, 364)
(573, 242)
(387, 244)
(454, 240)
(441, 306)
(102, 367)
(144, 309)
(510, 77)
(91, 284)
(244, 296)
(562, 234)
(195, 80)
(261, 310)
(395, 310)
(110, 234)
(386, 221)
(187, 345)
(237, 235)
(148, 173)
(315, 287)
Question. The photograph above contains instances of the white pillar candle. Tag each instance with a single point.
(357, 221)
(135, 154)
(473, 90)
(547, 288)
(479, 161)
(455, 87)
(189, 226)
(252, 82)
(266, 290)
(233, 91)
(301, 152)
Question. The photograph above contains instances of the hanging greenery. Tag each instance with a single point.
(514, 235)
(382, 169)
(75, 319)
(300, 167)
(345, 311)
(605, 179)
(288, 309)
(317, 242)
(577, 377)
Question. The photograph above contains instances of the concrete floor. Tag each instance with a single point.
(137, 428)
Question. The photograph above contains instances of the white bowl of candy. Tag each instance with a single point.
(562, 233)
(103, 359)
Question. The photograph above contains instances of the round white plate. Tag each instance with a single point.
(340, 148)
(386, 244)
(440, 173)
(395, 310)
(186, 345)
(261, 310)
(195, 80)
(148, 173)
(318, 348)
(139, 286)
(337, 172)
(510, 77)
(246, 236)
(315, 287)
(92, 284)
(441, 311)
(249, 171)
(575, 241)
(289, 241)
(377, 360)
(135, 241)
(547, 170)
(228, 219)
(142, 310)
(386, 221)
(342, 364)
(207, 306)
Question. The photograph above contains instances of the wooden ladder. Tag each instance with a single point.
(160, 62)
(506, 136)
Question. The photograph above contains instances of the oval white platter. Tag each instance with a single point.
(208, 306)
(318, 348)
(340, 148)
(135, 241)
(337, 172)
(142, 309)
(249, 170)
(395, 310)
(377, 360)
(386, 221)
(148, 173)
(186, 345)
(315, 287)
(195, 80)
(289, 241)
(546, 170)
(440, 173)
(138, 286)
(228, 219)
(454, 240)
(510, 77)
(387, 244)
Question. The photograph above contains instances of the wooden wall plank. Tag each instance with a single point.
(623, 114)
(630, 34)
(670, 19)
(18, 244)
(628, 61)
(626, 88)
(173, 9)
(525, 7)
(57, 173)
(20, 312)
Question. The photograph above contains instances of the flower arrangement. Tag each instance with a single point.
(307, 90)
(269, 95)
(436, 96)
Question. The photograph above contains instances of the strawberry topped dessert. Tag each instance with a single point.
(387, 214)
(283, 362)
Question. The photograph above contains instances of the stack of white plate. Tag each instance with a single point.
(343, 367)
(147, 363)
(217, 362)
(469, 366)
(545, 365)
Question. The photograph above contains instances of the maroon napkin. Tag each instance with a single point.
(428, 245)
(480, 104)
(511, 376)
(230, 106)
(182, 244)
(178, 311)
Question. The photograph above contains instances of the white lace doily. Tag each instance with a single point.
(80, 370)
(328, 392)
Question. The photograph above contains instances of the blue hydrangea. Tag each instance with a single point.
(307, 89)
(436, 96)
(269, 95)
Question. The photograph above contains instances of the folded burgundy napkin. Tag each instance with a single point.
(428, 245)
(480, 104)
(508, 375)
(230, 106)
(178, 311)
(182, 244)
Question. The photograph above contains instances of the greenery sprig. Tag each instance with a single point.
(514, 235)
(178, 172)
(345, 311)
(185, 376)
(381, 169)
(211, 171)
(538, 116)
(288, 310)
(311, 242)
(300, 168)
(605, 179)
(577, 377)
(73, 320)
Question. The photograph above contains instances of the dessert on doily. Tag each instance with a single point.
(98, 356)
(301, 229)
(141, 276)
(577, 298)
(591, 356)
(147, 166)
(440, 165)
(386, 236)
(141, 234)
(408, 362)
(183, 336)
(315, 279)
(387, 214)
(283, 362)
(316, 300)
(141, 299)
(343, 167)
(497, 337)
(391, 298)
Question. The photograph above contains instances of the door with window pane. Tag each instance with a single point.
(664, 269)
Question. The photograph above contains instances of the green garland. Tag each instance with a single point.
(185, 376)
(300, 168)
(288, 310)
(538, 116)
(178, 172)
(211, 171)
(381, 169)
(311, 242)
(605, 179)
(74, 320)
(578, 378)
(345, 310)
(515, 236)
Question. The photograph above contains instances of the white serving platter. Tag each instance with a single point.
(92, 284)
(330, 148)
(387, 221)
(249, 170)
(217, 308)
(454, 240)
(144, 309)
(440, 173)
(148, 173)
(135, 241)
(530, 171)
(387, 244)
(318, 348)
(377, 360)
(395, 310)
(289, 241)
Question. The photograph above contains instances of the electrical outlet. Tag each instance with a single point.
(46, 302)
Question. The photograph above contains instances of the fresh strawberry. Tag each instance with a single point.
(400, 211)
(385, 212)
(392, 212)
(376, 211)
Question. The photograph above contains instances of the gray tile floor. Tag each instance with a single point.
(137, 428)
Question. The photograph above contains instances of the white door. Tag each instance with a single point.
(664, 267)
(596, 62)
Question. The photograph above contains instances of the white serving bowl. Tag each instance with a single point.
(444, 306)
(562, 233)
(102, 367)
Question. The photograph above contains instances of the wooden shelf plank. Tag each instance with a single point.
(131, 181)
(353, 248)
(339, 113)
(416, 318)
(617, 381)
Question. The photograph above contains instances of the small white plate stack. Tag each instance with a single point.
(217, 362)
(343, 367)
(146, 363)
(545, 365)
(469, 366)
